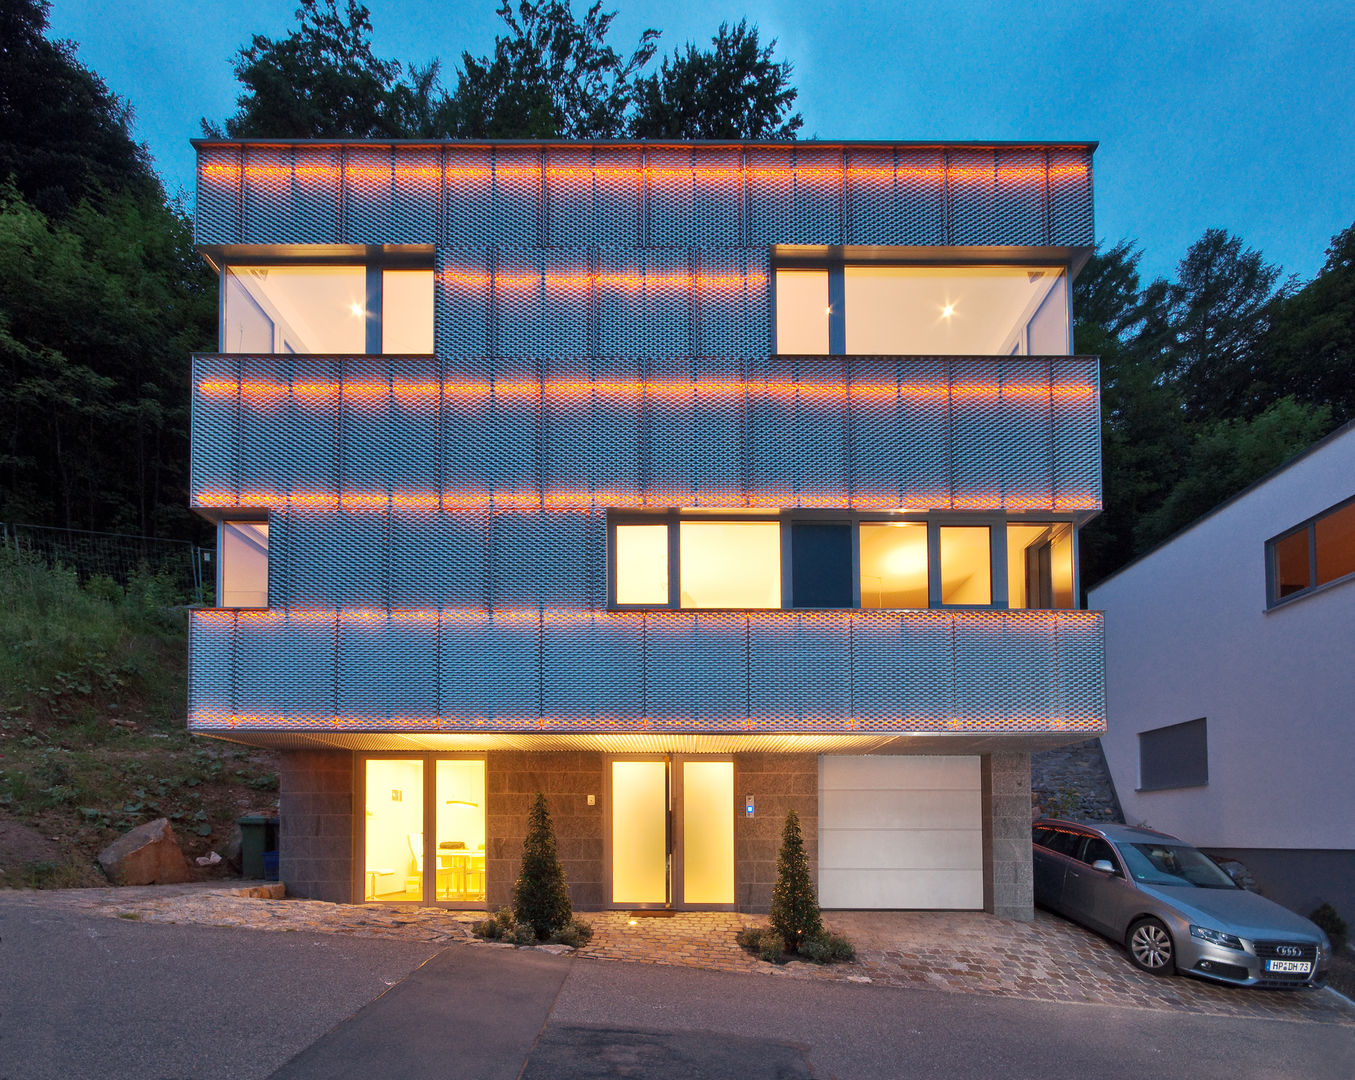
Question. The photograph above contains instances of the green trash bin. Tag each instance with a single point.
(258, 838)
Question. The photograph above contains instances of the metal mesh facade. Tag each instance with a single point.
(588, 670)
(688, 197)
(437, 537)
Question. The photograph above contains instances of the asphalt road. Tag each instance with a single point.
(98, 998)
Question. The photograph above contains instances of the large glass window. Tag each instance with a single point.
(730, 564)
(893, 564)
(242, 564)
(924, 310)
(640, 558)
(1040, 566)
(343, 310)
(400, 862)
(1318, 552)
(966, 564)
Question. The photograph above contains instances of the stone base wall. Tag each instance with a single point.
(567, 778)
(315, 826)
(1008, 877)
(778, 783)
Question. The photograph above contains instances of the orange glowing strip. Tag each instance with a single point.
(476, 280)
(415, 393)
(713, 175)
(451, 500)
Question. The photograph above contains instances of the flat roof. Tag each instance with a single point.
(1060, 144)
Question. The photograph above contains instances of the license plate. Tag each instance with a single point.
(1299, 967)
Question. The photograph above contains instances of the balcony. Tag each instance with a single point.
(324, 671)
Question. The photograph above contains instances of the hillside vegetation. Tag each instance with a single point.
(93, 740)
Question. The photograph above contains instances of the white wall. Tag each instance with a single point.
(1188, 635)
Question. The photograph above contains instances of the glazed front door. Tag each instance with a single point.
(672, 833)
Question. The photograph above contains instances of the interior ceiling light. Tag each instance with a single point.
(356, 309)
(947, 311)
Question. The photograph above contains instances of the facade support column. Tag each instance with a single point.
(1008, 877)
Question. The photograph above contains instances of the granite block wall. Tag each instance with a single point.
(315, 830)
(778, 783)
(567, 778)
(1008, 877)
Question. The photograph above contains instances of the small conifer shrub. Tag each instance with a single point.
(540, 897)
(795, 906)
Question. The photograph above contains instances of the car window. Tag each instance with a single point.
(1041, 835)
(1065, 842)
(1096, 848)
(1174, 864)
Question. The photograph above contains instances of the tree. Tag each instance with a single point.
(64, 137)
(1219, 312)
(541, 897)
(551, 76)
(795, 911)
(324, 81)
(1310, 351)
(735, 90)
(1228, 454)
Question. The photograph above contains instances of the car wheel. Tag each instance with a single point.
(1150, 947)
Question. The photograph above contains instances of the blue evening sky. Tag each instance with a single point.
(1236, 114)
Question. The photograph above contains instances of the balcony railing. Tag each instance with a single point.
(587, 671)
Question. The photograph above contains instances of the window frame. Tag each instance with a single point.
(249, 517)
(1308, 525)
(995, 521)
(836, 265)
(374, 261)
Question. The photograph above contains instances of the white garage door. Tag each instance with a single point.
(900, 832)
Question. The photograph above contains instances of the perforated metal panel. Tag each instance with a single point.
(603, 337)
(705, 197)
(591, 670)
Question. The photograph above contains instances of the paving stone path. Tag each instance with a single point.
(1048, 959)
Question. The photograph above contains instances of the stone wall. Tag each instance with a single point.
(1074, 782)
(778, 783)
(315, 830)
(1008, 881)
(567, 778)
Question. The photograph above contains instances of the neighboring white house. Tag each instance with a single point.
(1230, 680)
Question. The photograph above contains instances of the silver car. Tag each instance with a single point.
(1172, 907)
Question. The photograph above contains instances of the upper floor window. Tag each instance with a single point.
(870, 309)
(242, 564)
(1316, 553)
(670, 560)
(339, 309)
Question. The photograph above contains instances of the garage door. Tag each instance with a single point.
(900, 832)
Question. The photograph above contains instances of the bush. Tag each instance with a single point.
(795, 906)
(1332, 925)
(576, 935)
(540, 897)
(497, 926)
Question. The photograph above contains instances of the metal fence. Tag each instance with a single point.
(119, 556)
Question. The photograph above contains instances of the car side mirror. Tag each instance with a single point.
(1104, 866)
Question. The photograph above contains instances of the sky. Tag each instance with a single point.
(1232, 114)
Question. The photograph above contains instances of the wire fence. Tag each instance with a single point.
(119, 556)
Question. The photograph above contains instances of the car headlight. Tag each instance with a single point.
(1217, 937)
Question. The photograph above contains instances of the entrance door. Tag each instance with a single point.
(672, 833)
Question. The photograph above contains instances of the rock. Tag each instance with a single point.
(148, 855)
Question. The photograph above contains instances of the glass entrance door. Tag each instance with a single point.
(672, 833)
(640, 835)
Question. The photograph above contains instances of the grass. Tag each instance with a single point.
(93, 739)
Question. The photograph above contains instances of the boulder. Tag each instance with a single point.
(148, 855)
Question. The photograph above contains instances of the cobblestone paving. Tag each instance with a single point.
(953, 952)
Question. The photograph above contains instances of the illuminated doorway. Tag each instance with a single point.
(423, 839)
(671, 833)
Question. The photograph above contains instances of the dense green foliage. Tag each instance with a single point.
(795, 906)
(102, 299)
(1209, 381)
(540, 896)
(550, 75)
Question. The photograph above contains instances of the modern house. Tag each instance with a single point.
(1229, 680)
(686, 484)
